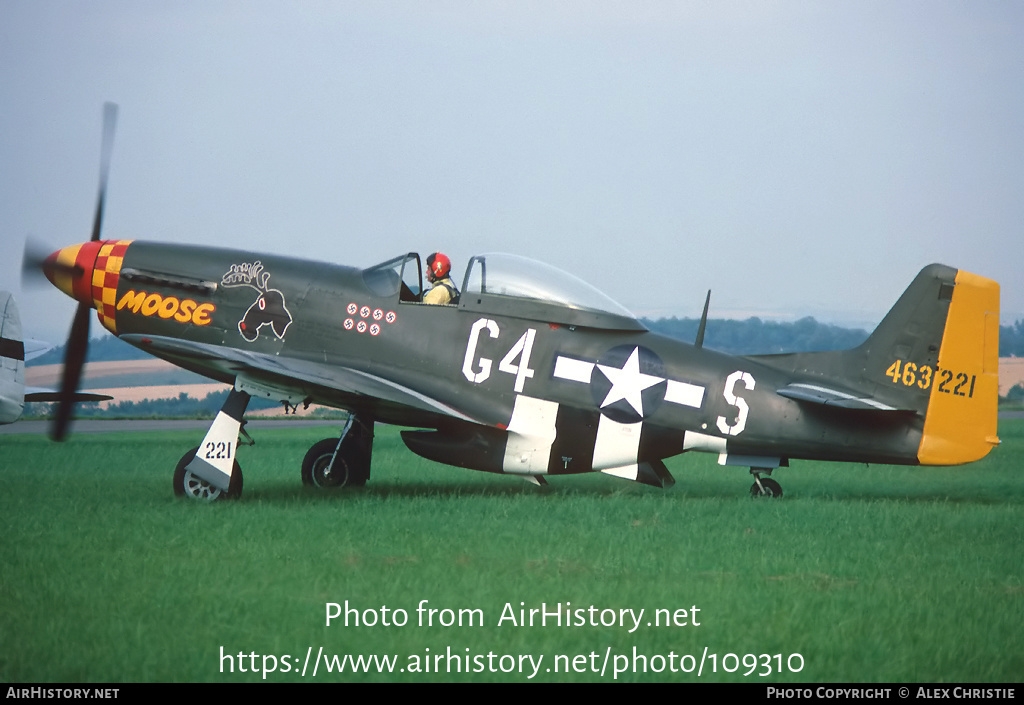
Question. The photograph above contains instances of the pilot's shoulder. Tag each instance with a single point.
(437, 295)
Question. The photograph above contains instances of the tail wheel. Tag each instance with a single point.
(187, 484)
(767, 488)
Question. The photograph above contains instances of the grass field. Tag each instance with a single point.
(868, 573)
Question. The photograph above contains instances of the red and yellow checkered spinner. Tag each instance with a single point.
(89, 272)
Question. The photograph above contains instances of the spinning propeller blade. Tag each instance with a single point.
(55, 267)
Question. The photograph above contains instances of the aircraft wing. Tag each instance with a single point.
(294, 375)
(835, 397)
(42, 394)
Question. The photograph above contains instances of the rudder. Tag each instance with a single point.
(960, 425)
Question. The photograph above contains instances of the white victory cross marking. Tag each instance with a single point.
(628, 382)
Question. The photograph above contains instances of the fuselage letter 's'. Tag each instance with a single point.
(737, 401)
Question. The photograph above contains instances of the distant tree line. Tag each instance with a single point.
(755, 337)
(179, 407)
(183, 406)
(752, 336)
(1011, 340)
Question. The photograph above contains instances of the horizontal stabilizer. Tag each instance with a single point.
(828, 396)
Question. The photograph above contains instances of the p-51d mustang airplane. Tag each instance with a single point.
(532, 372)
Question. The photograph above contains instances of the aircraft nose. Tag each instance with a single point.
(70, 269)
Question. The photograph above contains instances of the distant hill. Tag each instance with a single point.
(105, 349)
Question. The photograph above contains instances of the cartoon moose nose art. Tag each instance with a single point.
(268, 310)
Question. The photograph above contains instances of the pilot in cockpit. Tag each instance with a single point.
(443, 291)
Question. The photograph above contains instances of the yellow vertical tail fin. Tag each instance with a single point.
(960, 424)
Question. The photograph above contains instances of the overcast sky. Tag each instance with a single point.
(797, 158)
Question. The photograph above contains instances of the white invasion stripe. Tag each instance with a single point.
(573, 370)
(685, 393)
(843, 395)
(749, 461)
(531, 433)
(627, 472)
(693, 440)
(617, 444)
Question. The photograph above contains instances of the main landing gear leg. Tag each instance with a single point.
(344, 461)
(764, 486)
(211, 471)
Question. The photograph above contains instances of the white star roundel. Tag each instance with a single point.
(628, 383)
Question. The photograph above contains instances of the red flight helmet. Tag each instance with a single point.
(438, 266)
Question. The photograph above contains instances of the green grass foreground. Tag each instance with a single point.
(869, 573)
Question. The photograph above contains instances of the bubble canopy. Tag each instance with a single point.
(498, 274)
(509, 285)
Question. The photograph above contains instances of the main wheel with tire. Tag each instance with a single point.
(771, 488)
(346, 470)
(187, 484)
